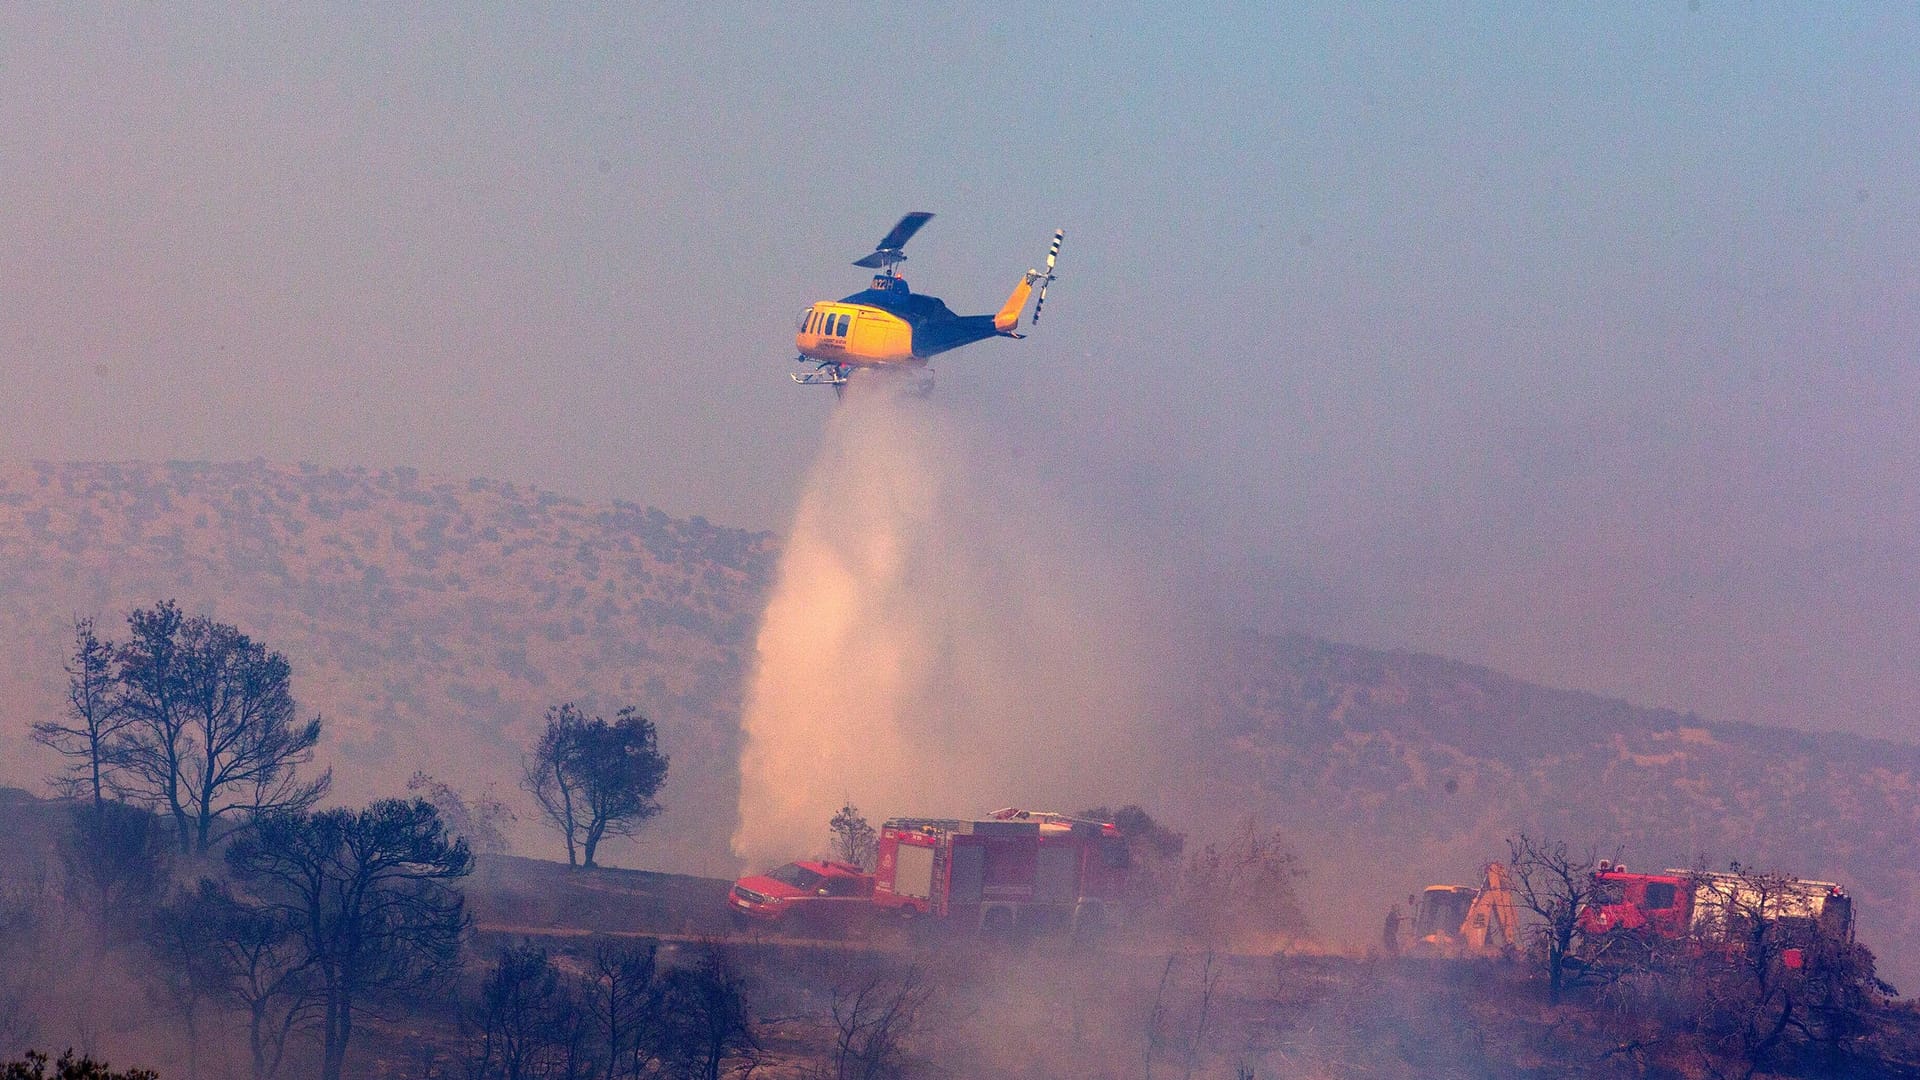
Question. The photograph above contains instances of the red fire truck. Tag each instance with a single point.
(1013, 871)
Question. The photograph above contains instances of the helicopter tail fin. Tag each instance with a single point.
(1009, 316)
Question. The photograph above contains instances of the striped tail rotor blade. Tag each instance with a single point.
(1052, 255)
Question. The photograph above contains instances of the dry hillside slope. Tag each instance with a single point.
(431, 624)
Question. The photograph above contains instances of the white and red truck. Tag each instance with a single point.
(1709, 908)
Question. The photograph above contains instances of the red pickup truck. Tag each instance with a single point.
(804, 896)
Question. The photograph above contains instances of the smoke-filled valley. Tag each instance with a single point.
(942, 632)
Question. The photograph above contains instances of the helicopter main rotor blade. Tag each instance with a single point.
(904, 231)
(888, 252)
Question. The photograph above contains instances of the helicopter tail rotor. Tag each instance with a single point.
(1046, 278)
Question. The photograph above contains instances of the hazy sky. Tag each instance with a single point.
(1578, 340)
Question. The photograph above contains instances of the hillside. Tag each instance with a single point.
(1397, 770)
(431, 624)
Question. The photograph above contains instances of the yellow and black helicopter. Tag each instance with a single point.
(889, 327)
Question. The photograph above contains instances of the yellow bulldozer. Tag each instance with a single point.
(1457, 921)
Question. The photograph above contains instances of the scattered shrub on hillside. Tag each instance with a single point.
(34, 1067)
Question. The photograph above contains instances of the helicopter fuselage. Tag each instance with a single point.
(889, 324)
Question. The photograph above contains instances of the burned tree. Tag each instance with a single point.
(621, 998)
(1556, 884)
(595, 779)
(874, 1017)
(705, 1021)
(92, 734)
(527, 1023)
(478, 821)
(1243, 888)
(215, 945)
(116, 859)
(211, 724)
(370, 896)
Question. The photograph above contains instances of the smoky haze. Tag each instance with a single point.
(947, 635)
(1576, 341)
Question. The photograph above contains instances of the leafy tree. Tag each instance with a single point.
(94, 729)
(370, 897)
(1770, 978)
(854, 841)
(34, 1067)
(1555, 883)
(595, 779)
(211, 723)
(1153, 854)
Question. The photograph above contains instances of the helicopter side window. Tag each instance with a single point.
(813, 323)
(841, 329)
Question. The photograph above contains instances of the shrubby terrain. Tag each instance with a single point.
(432, 624)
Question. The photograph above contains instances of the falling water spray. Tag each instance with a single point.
(946, 636)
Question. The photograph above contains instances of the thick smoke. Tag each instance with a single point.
(947, 636)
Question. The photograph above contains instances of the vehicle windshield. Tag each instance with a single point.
(1442, 912)
(797, 876)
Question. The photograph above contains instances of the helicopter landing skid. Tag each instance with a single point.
(836, 375)
(820, 378)
(825, 373)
